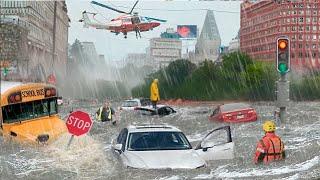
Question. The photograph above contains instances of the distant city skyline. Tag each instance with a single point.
(115, 48)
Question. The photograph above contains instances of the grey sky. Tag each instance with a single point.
(116, 47)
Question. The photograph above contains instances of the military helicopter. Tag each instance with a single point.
(128, 22)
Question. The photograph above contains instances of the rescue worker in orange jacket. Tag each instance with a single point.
(270, 147)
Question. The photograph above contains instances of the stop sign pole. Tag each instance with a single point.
(78, 123)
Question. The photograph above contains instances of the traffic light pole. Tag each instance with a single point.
(283, 96)
(283, 67)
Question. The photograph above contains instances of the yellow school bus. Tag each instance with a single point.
(29, 112)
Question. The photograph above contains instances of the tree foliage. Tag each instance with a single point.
(237, 77)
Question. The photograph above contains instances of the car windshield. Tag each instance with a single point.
(153, 141)
(29, 110)
(234, 106)
(130, 104)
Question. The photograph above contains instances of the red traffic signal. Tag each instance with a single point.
(283, 55)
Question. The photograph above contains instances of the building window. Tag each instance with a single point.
(307, 46)
(314, 46)
(300, 54)
(308, 12)
(301, 12)
(314, 19)
(308, 37)
(293, 37)
(300, 46)
(308, 20)
(315, 13)
(314, 28)
(288, 28)
(300, 28)
(295, 20)
(301, 19)
(307, 55)
(307, 28)
(314, 54)
(314, 37)
(293, 28)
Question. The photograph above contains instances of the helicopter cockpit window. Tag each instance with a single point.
(143, 19)
(135, 20)
(126, 20)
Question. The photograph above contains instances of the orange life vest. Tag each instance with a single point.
(274, 148)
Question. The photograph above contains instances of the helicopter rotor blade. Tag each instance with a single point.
(108, 7)
(133, 7)
(155, 19)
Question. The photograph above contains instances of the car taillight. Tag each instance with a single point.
(251, 111)
(226, 116)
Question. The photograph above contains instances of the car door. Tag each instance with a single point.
(122, 139)
(216, 145)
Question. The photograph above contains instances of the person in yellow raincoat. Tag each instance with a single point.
(154, 93)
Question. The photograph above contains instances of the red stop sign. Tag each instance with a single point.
(79, 123)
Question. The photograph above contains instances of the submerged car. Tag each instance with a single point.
(162, 110)
(234, 112)
(163, 146)
(134, 103)
(60, 101)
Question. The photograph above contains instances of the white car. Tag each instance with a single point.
(60, 101)
(130, 105)
(165, 146)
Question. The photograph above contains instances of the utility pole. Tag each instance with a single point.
(54, 34)
(283, 67)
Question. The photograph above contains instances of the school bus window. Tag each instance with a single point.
(29, 110)
(53, 106)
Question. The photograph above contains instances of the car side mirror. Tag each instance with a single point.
(118, 147)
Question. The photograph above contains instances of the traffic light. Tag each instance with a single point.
(283, 55)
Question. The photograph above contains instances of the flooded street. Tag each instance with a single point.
(90, 157)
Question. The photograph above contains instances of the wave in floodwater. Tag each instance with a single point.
(85, 158)
(223, 172)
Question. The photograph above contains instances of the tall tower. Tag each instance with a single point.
(207, 46)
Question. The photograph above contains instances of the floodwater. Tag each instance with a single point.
(90, 157)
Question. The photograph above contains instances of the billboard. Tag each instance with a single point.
(187, 31)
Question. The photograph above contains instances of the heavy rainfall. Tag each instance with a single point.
(160, 90)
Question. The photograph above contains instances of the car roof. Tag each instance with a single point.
(234, 106)
(152, 128)
(135, 99)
